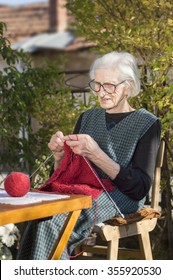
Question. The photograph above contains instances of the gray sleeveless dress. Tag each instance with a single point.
(119, 143)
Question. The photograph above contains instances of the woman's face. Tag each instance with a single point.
(115, 102)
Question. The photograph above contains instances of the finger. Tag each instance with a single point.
(72, 140)
(72, 144)
(59, 139)
(52, 147)
(60, 135)
(60, 142)
(71, 137)
(56, 142)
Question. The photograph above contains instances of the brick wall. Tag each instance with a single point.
(26, 20)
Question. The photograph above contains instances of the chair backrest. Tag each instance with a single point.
(157, 176)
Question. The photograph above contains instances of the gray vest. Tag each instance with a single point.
(118, 143)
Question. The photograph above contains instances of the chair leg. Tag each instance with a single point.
(145, 246)
(112, 250)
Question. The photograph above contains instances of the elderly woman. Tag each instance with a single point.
(121, 144)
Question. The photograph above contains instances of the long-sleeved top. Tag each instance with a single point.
(135, 181)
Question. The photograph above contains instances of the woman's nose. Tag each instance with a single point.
(102, 92)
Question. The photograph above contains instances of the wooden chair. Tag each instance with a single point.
(112, 234)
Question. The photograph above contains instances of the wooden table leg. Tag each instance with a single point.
(64, 236)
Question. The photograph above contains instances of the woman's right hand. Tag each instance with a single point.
(57, 144)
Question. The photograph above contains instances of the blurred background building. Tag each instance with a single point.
(44, 29)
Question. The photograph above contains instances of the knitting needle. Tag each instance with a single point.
(115, 205)
(38, 166)
(52, 154)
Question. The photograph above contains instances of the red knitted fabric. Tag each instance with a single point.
(74, 176)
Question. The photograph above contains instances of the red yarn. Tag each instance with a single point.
(74, 176)
(17, 184)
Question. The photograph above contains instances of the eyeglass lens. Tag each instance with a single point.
(96, 86)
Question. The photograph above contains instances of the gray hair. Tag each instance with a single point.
(125, 67)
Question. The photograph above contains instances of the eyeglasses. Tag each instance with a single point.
(108, 87)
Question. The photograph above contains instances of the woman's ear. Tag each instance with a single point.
(129, 88)
(126, 89)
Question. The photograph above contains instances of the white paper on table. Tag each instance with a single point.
(30, 197)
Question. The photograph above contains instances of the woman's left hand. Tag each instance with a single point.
(82, 144)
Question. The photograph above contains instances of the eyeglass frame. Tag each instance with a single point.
(102, 85)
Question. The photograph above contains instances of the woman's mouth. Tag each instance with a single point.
(104, 100)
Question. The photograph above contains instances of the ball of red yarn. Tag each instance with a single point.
(17, 184)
